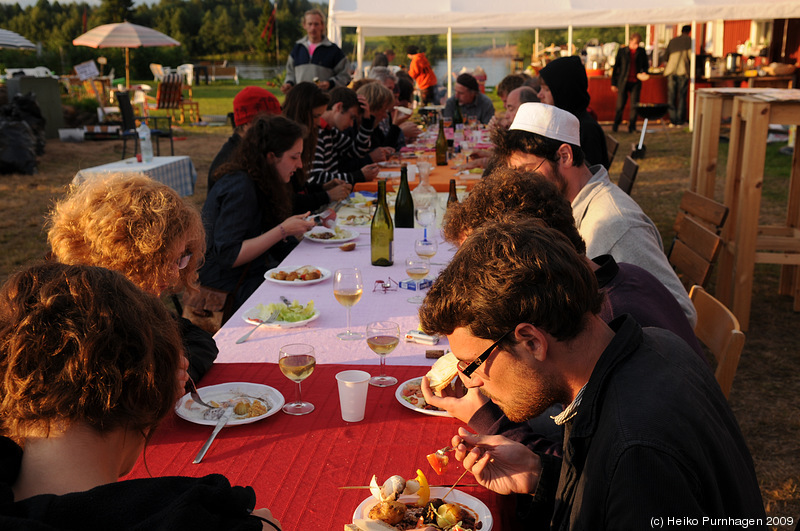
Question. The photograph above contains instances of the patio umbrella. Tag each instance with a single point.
(124, 35)
(9, 39)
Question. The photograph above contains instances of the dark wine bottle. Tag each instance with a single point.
(457, 118)
(381, 232)
(453, 196)
(441, 145)
(404, 205)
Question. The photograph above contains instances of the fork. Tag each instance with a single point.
(248, 334)
(195, 395)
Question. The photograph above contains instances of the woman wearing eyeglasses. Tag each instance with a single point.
(144, 230)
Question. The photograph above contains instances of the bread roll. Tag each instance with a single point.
(442, 373)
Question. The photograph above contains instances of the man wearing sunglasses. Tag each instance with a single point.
(545, 139)
(648, 433)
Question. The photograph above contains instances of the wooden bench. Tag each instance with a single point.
(224, 72)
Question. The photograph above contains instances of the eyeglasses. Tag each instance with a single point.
(183, 261)
(468, 369)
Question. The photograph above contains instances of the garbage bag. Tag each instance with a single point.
(24, 107)
(17, 147)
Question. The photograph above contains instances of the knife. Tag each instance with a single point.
(220, 424)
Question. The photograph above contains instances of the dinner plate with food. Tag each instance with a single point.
(354, 219)
(297, 275)
(252, 402)
(291, 316)
(399, 505)
(393, 163)
(444, 381)
(323, 235)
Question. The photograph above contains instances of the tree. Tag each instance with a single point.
(111, 11)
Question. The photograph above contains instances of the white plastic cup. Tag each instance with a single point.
(353, 386)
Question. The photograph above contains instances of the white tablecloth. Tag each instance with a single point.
(264, 344)
(176, 172)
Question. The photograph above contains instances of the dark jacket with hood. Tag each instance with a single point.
(566, 78)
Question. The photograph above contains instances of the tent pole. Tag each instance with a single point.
(570, 46)
(449, 61)
(535, 46)
(692, 75)
(359, 53)
(627, 34)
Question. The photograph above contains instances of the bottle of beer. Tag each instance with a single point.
(453, 196)
(441, 145)
(457, 118)
(404, 205)
(381, 232)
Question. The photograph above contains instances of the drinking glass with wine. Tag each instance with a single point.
(347, 288)
(297, 362)
(382, 338)
(417, 268)
(426, 249)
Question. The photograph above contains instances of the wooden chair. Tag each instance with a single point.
(628, 176)
(158, 128)
(169, 97)
(718, 329)
(697, 243)
(612, 144)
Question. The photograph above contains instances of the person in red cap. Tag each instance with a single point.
(247, 104)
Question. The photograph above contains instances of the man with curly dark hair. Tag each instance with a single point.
(646, 426)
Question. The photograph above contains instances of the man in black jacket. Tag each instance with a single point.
(649, 438)
(630, 69)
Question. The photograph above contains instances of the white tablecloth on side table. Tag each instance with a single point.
(176, 172)
(264, 344)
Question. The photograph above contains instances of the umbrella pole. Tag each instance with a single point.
(128, 68)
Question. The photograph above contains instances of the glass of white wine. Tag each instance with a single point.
(382, 338)
(426, 249)
(347, 288)
(417, 268)
(297, 362)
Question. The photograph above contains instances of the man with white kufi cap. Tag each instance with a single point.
(546, 139)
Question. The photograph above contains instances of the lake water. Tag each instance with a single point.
(496, 68)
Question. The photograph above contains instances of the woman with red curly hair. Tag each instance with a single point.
(87, 372)
(142, 229)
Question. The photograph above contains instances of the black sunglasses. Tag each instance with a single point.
(468, 369)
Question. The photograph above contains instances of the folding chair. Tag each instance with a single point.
(129, 126)
(169, 97)
(628, 176)
(612, 144)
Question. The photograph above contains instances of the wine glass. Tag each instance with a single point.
(426, 249)
(347, 288)
(417, 268)
(297, 362)
(426, 214)
(382, 338)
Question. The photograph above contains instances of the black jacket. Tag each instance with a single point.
(619, 75)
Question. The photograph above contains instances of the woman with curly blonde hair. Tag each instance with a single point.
(142, 229)
(87, 372)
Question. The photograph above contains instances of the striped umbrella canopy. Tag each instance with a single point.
(9, 39)
(124, 35)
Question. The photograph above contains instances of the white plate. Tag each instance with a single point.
(326, 274)
(269, 396)
(457, 496)
(390, 164)
(399, 396)
(251, 316)
(352, 236)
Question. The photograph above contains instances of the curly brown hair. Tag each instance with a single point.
(508, 272)
(131, 225)
(509, 192)
(299, 106)
(267, 134)
(506, 142)
(82, 344)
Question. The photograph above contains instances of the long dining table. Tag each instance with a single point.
(297, 464)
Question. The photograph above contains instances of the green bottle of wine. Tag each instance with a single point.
(457, 118)
(404, 205)
(441, 145)
(453, 196)
(381, 232)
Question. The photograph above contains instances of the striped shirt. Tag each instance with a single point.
(333, 146)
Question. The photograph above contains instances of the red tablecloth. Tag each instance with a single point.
(296, 464)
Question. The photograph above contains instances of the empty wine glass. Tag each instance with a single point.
(347, 288)
(417, 268)
(426, 214)
(297, 362)
(382, 338)
(426, 249)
